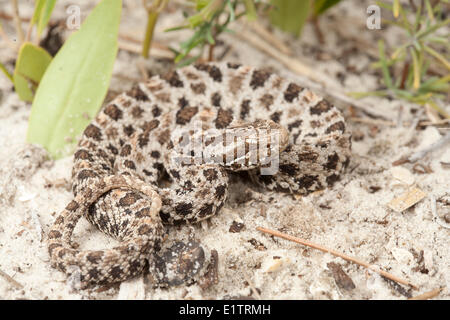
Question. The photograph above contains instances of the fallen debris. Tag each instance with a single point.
(343, 281)
(11, 280)
(336, 253)
(428, 295)
(435, 215)
(407, 200)
(422, 153)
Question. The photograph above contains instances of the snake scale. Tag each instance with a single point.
(127, 150)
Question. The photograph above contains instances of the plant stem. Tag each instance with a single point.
(319, 33)
(250, 9)
(404, 75)
(336, 253)
(151, 22)
(10, 43)
(211, 52)
(153, 11)
(17, 21)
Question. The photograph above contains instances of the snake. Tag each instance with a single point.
(135, 170)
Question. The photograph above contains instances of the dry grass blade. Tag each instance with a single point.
(318, 81)
(337, 254)
(17, 21)
(293, 64)
(8, 41)
(373, 121)
(11, 280)
(258, 28)
(156, 51)
(437, 145)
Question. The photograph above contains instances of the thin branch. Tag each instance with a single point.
(8, 41)
(17, 21)
(151, 22)
(337, 254)
(373, 121)
(427, 295)
(153, 12)
(423, 123)
(434, 212)
(16, 284)
(252, 287)
(29, 32)
(294, 64)
(319, 33)
(268, 36)
(157, 50)
(437, 145)
(317, 81)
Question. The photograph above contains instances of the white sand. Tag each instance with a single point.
(348, 218)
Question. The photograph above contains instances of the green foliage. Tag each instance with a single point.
(6, 72)
(42, 12)
(31, 60)
(153, 11)
(320, 6)
(405, 71)
(292, 15)
(30, 67)
(76, 82)
(207, 25)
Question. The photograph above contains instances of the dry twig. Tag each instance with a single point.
(373, 121)
(268, 36)
(17, 21)
(427, 295)
(11, 280)
(336, 253)
(437, 145)
(317, 81)
(252, 287)
(434, 212)
(293, 64)
(156, 51)
(8, 41)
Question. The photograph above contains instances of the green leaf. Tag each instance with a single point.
(6, 72)
(290, 16)
(432, 29)
(249, 9)
(384, 65)
(30, 67)
(320, 6)
(360, 95)
(37, 11)
(416, 68)
(76, 82)
(42, 12)
(438, 56)
(396, 10)
(429, 10)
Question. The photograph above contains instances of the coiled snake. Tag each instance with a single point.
(129, 147)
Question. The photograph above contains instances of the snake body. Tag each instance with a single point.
(127, 151)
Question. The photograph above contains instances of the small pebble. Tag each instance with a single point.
(177, 265)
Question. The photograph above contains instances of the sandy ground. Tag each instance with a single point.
(353, 217)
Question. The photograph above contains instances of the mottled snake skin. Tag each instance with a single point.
(125, 152)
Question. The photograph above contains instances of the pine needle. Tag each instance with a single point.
(337, 254)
